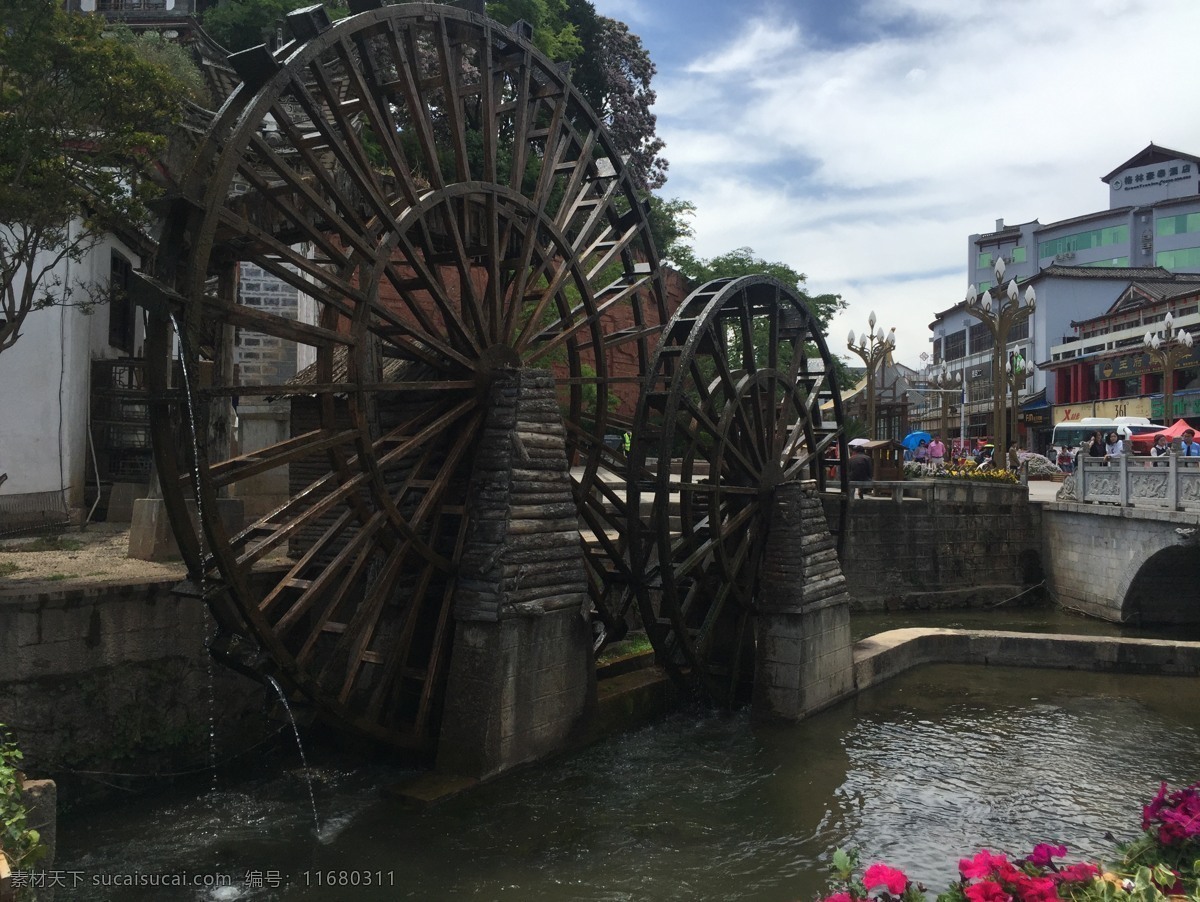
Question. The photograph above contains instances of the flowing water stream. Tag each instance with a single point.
(932, 765)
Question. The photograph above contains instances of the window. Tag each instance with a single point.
(1178, 225)
(1114, 262)
(937, 351)
(956, 346)
(121, 318)
(1083, 241)
(1187, 259)
(981, 338)
(984, 260)
(1018, 255)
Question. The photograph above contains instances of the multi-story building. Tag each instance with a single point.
(1081, 268)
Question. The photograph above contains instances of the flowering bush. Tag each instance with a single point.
(964, 470)
(975, 474)
(1162, 864)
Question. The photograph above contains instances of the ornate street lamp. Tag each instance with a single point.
(1000, 309)
(1016, 373)
(873, 347)
(1167, 348)
(947, 384)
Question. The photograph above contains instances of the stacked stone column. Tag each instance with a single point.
(802, 628)
(521, 673)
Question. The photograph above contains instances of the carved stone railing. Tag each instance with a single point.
(1171, 482)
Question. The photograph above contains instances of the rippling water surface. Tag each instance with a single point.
(933, 765)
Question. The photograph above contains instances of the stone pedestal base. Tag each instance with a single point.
(803, 660)
(519, 689)
(150, 535)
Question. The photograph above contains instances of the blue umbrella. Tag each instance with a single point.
(915, 438)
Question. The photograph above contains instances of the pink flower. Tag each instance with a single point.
(982, 865)
(987, 892)
(1043, 853)
(1078, 873)
(1036, 889)
(882, 875)
(839, 897)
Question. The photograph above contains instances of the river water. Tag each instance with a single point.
(935, 764)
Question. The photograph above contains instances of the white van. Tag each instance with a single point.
(1071, 434)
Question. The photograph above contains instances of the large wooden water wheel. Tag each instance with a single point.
(448, 207)
(741, 399)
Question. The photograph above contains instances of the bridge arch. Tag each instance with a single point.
(1165, 588)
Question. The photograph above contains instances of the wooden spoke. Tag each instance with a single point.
(444, 207)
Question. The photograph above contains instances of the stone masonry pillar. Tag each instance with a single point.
(803, 657)
(522, 679)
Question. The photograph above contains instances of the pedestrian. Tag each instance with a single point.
(1114, 448)
(1014, 459)
(921, 452)
(859, 468)
(1160, 448)
(626, 442)
(937, 451)
(1189, 447)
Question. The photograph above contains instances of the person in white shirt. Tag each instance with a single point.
(1113, 446)
(1160, 448)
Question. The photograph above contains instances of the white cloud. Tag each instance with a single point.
(868, 164)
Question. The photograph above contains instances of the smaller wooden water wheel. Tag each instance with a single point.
(741, 399)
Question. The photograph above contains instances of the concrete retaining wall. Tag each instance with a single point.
(116, 679)
(970, 544)
(886, 655)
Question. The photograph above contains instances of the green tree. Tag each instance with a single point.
(81, 117)
(171, 55)
(742, 262)
(555, 32)
(238, 24)
(670, 226)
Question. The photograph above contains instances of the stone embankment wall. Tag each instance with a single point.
(116, 680)
(963, 544)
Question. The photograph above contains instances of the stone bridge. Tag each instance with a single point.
(1120, 563)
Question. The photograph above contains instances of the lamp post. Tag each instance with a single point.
(1167, 348)
(873, 347)
(947, 384)
(1016, 374)
(1000, 308)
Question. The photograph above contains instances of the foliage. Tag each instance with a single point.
(152, 47)
(555, 32)
(238, 24)
(81, 117)
(1162, 864)
(611, 69)
(21, 845)
(879, 881)
(742, 262)
(669, 226)
(968, 471)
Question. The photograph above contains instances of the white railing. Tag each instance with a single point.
(1171, 482)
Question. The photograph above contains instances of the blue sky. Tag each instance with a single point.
(862, 141)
